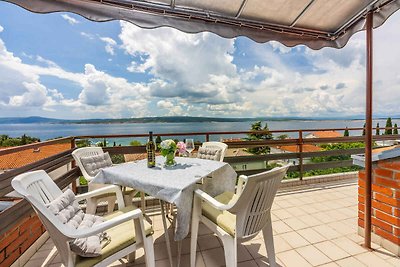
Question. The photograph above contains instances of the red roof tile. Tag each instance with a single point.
(24, 157)
(326, 134)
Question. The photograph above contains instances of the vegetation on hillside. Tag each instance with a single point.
(7, 141)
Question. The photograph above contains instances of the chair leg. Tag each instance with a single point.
(142, 196)
(195, 230)
(149, 251)
(167, 241)
(91, 206)
(110, 204)
(269, 243)
(230, 250)
(132, 257)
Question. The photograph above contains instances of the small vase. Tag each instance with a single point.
(170, 159)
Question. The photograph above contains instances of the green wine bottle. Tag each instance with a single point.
(151, 152)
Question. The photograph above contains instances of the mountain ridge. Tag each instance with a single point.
(163, 119)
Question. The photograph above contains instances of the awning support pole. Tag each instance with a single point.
(368, 134)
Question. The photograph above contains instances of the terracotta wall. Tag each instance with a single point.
(17, 240)
(385, 199)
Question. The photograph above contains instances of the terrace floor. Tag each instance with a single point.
(313, 226)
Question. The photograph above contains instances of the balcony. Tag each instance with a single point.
(313, 226)
(314, 219)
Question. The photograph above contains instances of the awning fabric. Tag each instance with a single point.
(314, 23)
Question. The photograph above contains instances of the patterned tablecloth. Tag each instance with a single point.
(173, 184)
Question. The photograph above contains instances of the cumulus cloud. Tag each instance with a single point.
(172, 109)
(110, 44)
(1, 28)
(70, 19)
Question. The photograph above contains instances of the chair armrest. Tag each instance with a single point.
(98, 228)
(212, 201)
(101, 191)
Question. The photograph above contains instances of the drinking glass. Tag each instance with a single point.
(189, 145)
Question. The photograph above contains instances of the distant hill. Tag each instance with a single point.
(170, 119)
(24, 120)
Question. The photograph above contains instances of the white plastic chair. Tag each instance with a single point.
(108, 196)
(217, 145)
(39, 189)
(238, 216)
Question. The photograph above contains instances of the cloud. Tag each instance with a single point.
(87, 35)
(1, 28)
(110, 44)
(70, 19)
(170, 107)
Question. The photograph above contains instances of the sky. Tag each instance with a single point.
(61, 65)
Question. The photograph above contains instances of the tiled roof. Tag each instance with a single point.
(295, 148)
(326, 134)
(24, 157)
(236, 152)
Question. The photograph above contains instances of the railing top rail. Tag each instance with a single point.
(213, 133)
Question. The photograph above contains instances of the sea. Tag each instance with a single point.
(46, 131)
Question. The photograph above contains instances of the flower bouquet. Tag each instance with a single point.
(181, 148)
(168, 149)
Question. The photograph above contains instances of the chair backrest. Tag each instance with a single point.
(39, 189)
(85, 152)
(253, 207)
(217, 145)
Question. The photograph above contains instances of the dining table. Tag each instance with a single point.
(173, 184)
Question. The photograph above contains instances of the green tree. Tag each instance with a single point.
(346, 132)
(104, 142)
(83, 143)
(266, 135)
(282, 137)
(135, 143)
(377, 131)
(388, 127)
(23, 140)
(363, 133)
(395, 130)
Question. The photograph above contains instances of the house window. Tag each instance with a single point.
(244, 167)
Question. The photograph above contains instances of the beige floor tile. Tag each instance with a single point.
(294, 239)
(311, 235)
(185, 260)
(213, 257)
(356, 238)
(326, 231)
(372, 260)
(243, 253)
(342, 228)
(281, 227)
(204, 230)
(349, 245)
(208, 241)
(263, 262)
(310, 220)
(282, 214)
(295, 223)
(296, 211)
(331, 264)
(350, 262)
(313, 255)
(250, 263)
(331, 250)
(292, 259)
(394, 261)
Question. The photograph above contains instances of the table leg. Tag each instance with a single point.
(178, 256)
(167, 241)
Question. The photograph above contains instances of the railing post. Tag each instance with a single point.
(73, 164)
(207, 137)
(300, 154)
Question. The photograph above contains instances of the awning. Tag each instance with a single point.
(314, 23)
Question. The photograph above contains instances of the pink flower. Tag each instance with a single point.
(181, 147)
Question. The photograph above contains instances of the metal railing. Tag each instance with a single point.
(11, 215)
